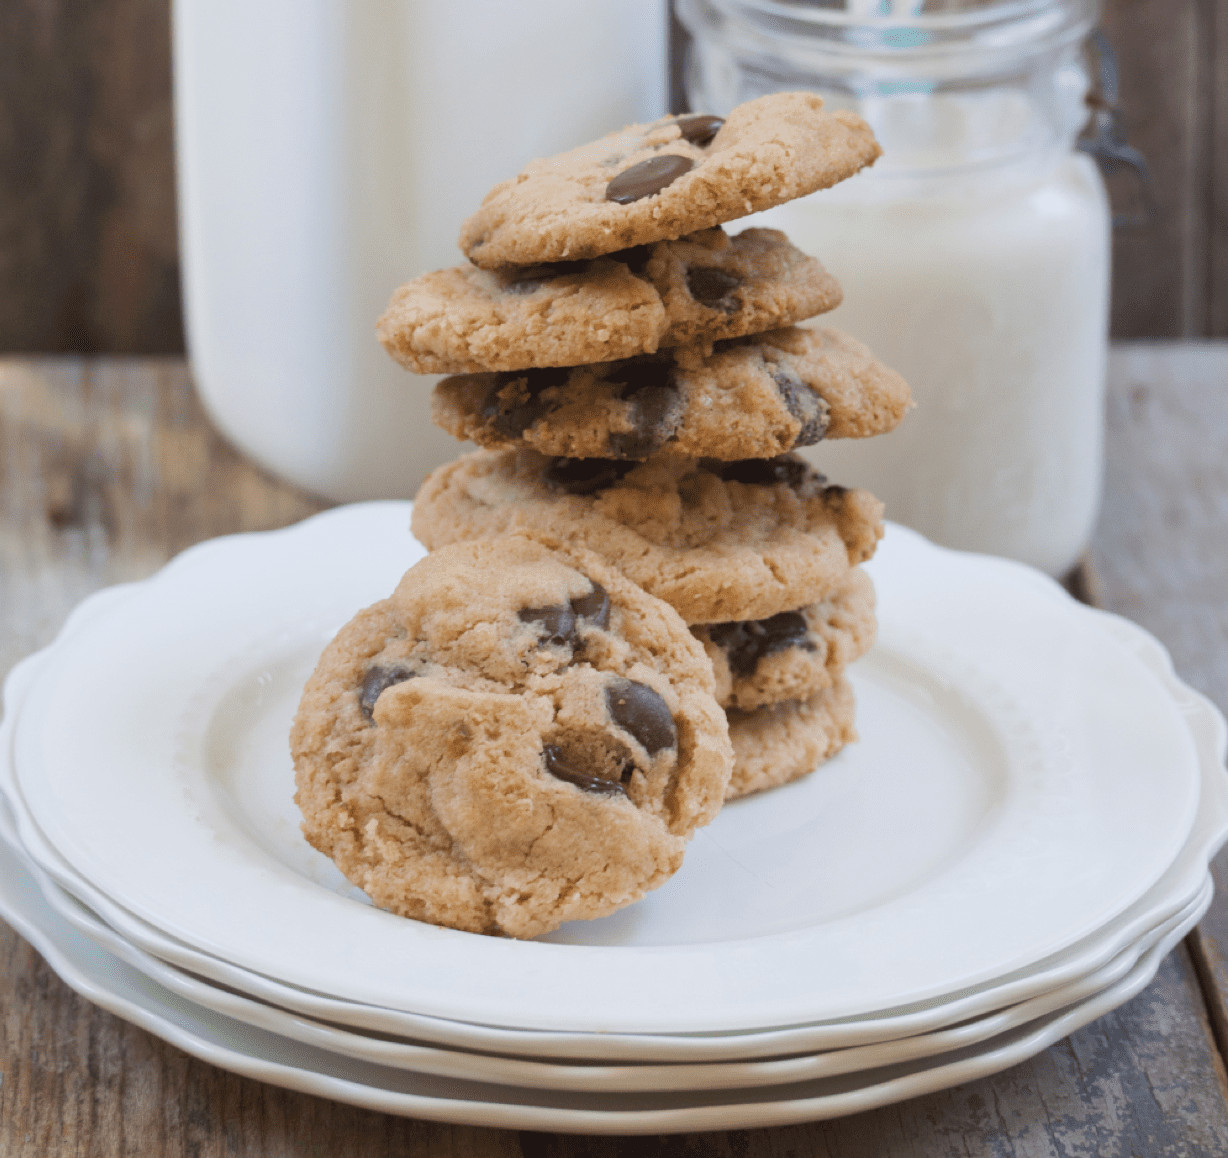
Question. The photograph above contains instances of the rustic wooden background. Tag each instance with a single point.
(88, 254)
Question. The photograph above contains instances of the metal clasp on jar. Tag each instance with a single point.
(1105, 136)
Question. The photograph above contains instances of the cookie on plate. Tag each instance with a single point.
(717, 541)
(663, 180)
(793, 654)
(705, 287)
(515, 738)
(753, 397)
(783, 742)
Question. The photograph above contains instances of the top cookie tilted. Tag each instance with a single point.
(661, 181)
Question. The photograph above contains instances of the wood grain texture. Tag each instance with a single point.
(108, 468)
(1217, 249)
(1160, 271)
(88, 249)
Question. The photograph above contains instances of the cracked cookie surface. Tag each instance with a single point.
(515, 738)
(718, 541)
(660, 181)
(783, 742)
(753, 397)
(706, 287)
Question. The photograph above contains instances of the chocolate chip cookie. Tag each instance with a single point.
(515, 738)
(663, 180)
(718, 541)
(705, 287)
(793, 654)
(783, 742)
(754, 397)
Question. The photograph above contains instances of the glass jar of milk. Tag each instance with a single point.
(974, 255)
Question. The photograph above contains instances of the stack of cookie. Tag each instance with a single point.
(638, 383)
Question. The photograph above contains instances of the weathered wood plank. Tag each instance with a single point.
(1217, 249)
(88, 250)
(1161, 545)
(1159, 272)
(108, 468)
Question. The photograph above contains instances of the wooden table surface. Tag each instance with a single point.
(108, 468)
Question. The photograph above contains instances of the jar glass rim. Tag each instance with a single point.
(1027, 24)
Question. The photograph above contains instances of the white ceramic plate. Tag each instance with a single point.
(605, 1078)
(243, 1049)
(1023, 779)
(1070, 969)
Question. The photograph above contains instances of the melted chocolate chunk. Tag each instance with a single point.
(585, 476)
(514, 402)
(786, 469)
(803, 403)
(377, 681)
(639, 710)
(647, 384)
(525, 279)
(712, 287)
(647, 178)
(747, 642)
(557, 622)
(559, 764)
(699, 130)
(595, 607)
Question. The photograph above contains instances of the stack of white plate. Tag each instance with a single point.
(1021, 834)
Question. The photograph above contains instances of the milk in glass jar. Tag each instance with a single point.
(974, 255)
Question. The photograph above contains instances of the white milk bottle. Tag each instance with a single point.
(974, 255)
(329, 150)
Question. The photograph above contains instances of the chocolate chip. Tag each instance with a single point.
(803, 403)
(655, 406)
(712, 287)
(559, 764)
(747, 642)
(514, 401)
(647, 178)
(585, 476)
(699, 130)
(378, 680)
(637, 709)
(787, 469)
(595, 607)
(557, 622)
